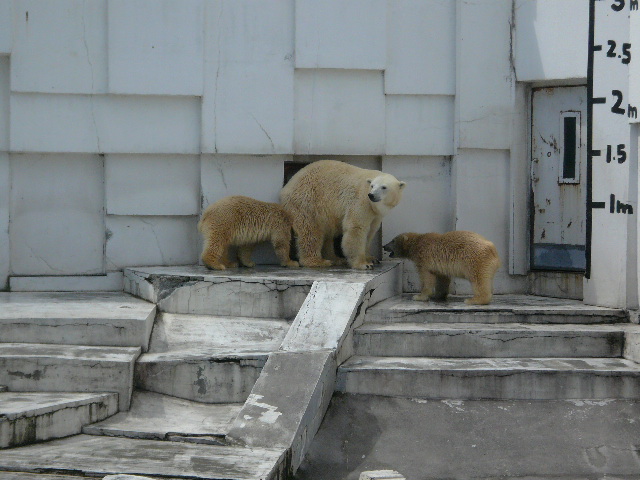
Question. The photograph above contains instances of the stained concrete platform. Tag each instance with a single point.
(160, 417)
(206, 358)
(491, 378)
(510, 308)
(28, 417)
(430, 439)
(99, 456)
(98, 319)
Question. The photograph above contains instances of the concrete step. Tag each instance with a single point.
(28, 417)
(37, 476)
(209, 359)
(485, 378)
(160, 417)
(28, 367)
(270, 292)
(489, 340)
(503, 309)
(93, 456)
(99, 319)
(263, 291)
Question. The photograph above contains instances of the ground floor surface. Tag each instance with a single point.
(481, 439)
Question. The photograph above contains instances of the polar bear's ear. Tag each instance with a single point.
(369, 181)
(402, 185)
(405, 238)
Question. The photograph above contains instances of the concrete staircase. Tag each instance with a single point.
(189, 382)
(519, 347)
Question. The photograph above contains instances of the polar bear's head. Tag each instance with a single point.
(398, 247)
(385, 192)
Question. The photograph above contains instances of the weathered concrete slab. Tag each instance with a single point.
(325, 317)
(155, 416)
(503, 309)
(287, 404)
(101, 318)
(524, 440)
(490, 340)
(264, 291)
(210, 359)
(93, 456)
(206, 334)
(211, 378)
(491, 378)
(28, 417)
(28, 367)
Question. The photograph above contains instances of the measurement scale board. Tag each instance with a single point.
(610, 210)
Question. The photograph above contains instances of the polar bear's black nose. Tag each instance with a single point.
(372, 197)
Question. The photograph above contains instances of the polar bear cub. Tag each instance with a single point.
(329, 198)
(243, 222)
(439, 257)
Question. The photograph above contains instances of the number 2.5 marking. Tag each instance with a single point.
(626, 51)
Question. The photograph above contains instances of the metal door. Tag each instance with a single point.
(558, 178)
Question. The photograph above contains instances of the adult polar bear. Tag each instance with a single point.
(328, 198)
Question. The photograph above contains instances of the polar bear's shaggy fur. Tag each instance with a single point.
(439, 257)
(327, 199)
(243, 222)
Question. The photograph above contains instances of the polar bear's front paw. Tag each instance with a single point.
(291, 264)
(372, 259)
(421, 297)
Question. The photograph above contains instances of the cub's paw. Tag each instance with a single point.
(363, 266)
(373, 260)
(291, 264)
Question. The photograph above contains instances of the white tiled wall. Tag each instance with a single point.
(484, 81)
(140, 240)
(59, 47)
(57, 214)
(135, 114)
(110, 124)
(152, 184)
(421, 47)
(339, 34)
(339, 112)
(155, 47)
(539, 53)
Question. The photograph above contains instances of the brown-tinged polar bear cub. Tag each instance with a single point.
(243, 222)
(327, 199)
(439, 257)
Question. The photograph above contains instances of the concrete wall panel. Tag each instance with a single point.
(6, 27)
(111, 124)
(338, 34)
(4, 104)
(59, 47)
(5, 189)
(253, 110)
(419, 124)
(339, 112)
(482, 196)
(156, 47)
(57, 223)
(152, 184)
(247, 105)
(137, 241)
(426, 204)
(484, 83)
(544, 48)
(258, 177)
(421, 47)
